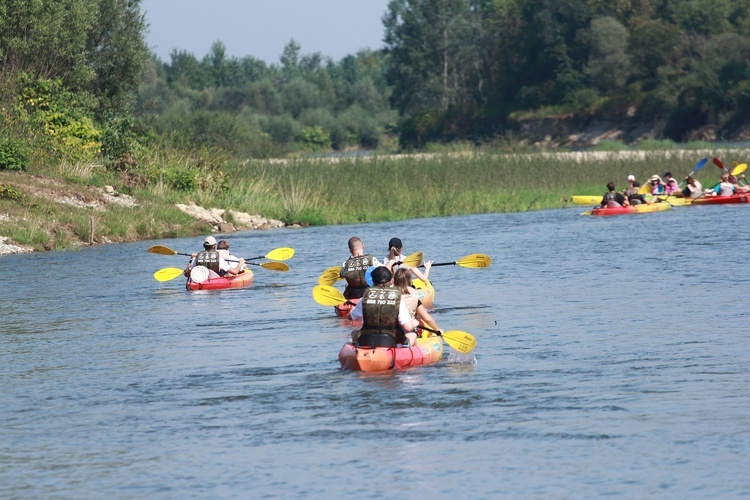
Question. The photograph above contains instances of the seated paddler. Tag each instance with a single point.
(213, 261)
(385, 318)
(354, 269)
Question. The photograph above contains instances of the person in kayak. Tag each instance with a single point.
(383, 314)
(725, 187)
(396, 256)
(613, 199)
(410, 297)
(631, 192)
(211, 259)
(671, 185)
(693, 188)
(355, 267)
(657, 185)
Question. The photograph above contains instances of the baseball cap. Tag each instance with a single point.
(631, 177)
(210, 240)
(395, 242)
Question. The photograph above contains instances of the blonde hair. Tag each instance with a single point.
(402, 279)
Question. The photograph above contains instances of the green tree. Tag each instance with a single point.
(609, 64)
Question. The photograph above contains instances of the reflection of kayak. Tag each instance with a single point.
(586, 199)
(216, 282)
(429, 350)
(721, 200)
(633, 209)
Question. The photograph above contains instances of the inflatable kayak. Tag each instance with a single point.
(428, 351)
(721, 200)
(633, 209)
(215, 282)
(586, 199)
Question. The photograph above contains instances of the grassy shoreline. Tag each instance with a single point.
(56, 211)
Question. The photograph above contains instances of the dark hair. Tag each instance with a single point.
(611, 186)
(380, 275)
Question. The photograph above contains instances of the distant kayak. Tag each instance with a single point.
(216, 282)
(721, 200)
(585, 199)
(632, 209)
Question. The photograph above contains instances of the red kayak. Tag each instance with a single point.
(245, 278)
(428, 351)
(343, 310)
(721, 200)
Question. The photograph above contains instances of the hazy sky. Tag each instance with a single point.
(261, 28)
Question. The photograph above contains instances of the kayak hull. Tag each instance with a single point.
(428, 351)
(721, 200)
(241, 280)
(633, 209)
(343, 310)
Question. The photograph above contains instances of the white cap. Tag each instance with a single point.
(631, 177)
(210, 240)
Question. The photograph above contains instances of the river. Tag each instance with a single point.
(612, 359)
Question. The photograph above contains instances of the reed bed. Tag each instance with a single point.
(322, 191)
(381, 188)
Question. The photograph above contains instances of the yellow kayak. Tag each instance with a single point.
(586, 199)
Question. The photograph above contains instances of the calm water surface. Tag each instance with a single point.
(612, 359)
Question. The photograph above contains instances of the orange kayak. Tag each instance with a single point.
(428, 351)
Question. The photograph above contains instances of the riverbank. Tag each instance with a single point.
(89, 206)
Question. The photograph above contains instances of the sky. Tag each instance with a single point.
(261, 28)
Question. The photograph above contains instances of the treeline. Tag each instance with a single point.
(77, 81)
(305, 103)
(462, 68)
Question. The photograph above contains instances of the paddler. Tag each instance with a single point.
(384, 315)
(212, 260)
(353, 270)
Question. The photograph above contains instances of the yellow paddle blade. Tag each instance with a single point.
(645, 189)
(475, 260)
(675, 202)
(739, 169)
(414, 260)
(328, 296)
(168, 273)
(330, 276)
(281, 254)
(587, 212)
(460, 341)
(161, 250)
(271, 266)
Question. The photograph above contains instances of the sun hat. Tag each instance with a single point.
(395, 242)
(631, 177)
(210, 240)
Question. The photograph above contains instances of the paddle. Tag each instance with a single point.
(330, 276)
(699, 166)
(475, 261)
(460, 341)
(326, 295)
(413, 260)
(168, 273)
(276, 254)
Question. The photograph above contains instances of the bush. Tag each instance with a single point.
(13, 156)
(10, 193)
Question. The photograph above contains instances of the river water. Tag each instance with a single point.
(612, 359)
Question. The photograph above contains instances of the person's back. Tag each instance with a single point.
(354, 269)
(380, 308)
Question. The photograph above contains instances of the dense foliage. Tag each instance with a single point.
(77, 82)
